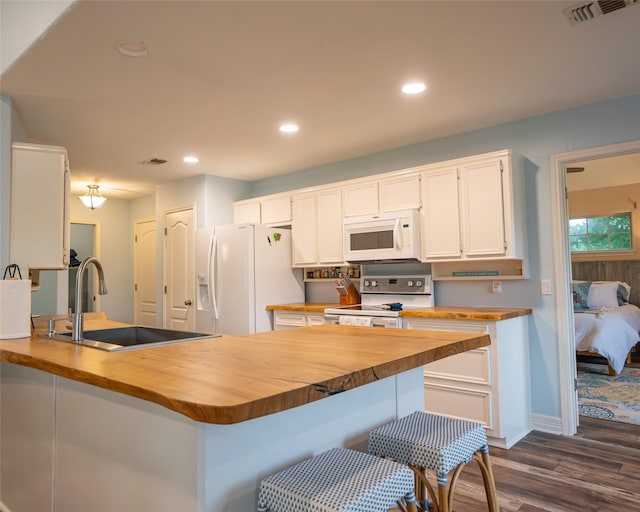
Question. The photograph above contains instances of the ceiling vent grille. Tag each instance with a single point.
(592, 9)
(154, 161)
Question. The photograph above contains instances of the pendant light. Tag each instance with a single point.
(93, 199)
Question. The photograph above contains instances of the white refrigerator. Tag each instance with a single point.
(240, 269)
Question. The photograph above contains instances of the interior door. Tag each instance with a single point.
(179, 290)
(144, 273)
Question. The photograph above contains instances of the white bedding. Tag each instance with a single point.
(611, 333)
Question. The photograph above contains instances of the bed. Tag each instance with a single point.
(606, 324)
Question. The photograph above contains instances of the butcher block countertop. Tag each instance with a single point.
(237, 378)
(451, 312)
(307, 307)
(467, 313)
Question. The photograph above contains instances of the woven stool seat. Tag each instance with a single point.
(338, 480)
(425, 442)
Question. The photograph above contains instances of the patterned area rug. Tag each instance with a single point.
(612, 398)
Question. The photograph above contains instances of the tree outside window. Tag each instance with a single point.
(597, 234)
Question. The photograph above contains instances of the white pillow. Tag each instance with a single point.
(624, 291)
(603, 295)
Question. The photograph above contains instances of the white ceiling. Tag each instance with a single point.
(222, 76)
(605, 172)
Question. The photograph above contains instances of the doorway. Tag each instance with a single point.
(84, 244)
(562, 273)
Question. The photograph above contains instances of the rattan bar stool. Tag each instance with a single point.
(339, 480)
(443, 445)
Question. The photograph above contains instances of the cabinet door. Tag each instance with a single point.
(276, 210)
(482, 209)
(329, 225)
(303, 230)
(40, 225)
(246, 213)
(441, 232)
(400, 193)
(360, 199)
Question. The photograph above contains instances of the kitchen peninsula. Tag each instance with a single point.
(195, 426)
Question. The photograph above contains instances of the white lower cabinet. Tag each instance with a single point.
(283, 320)
(490, 384)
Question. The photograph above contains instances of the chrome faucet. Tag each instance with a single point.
(76, 331)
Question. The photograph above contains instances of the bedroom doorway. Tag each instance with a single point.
(562, 272)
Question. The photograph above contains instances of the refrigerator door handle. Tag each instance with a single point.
(211, 264)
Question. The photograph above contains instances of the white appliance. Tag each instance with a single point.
(382, 237)
(382, 299)
(240, 269)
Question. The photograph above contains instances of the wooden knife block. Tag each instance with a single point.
(352, 297)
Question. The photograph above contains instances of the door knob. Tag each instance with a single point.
(187, 302)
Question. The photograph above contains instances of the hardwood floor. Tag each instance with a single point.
(596, 470)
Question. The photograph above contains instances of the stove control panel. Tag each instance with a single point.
(420, 284)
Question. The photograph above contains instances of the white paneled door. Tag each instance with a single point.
(144, 273)
(179, 290)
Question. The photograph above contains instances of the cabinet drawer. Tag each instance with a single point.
(473, 366)
(315, 319)
(458, 402)
(289, 319)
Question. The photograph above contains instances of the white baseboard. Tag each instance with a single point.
(548, 424)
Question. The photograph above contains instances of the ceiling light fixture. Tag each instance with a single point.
(413, 88)
(132, 48)
(191, 159)
(93, 199)
(289, 128)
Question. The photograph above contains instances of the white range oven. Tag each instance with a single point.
(382, 299)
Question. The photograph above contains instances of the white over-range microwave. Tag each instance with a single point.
(392, 236)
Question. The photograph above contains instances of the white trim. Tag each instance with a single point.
(548, 424)
(562, 273)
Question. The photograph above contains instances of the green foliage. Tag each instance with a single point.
(608, 233)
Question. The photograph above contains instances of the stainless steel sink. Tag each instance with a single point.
(130, 338)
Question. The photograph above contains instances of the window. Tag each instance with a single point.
(608, 233)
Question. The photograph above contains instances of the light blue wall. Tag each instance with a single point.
(536, 138)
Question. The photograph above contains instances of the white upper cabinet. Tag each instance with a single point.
(246, 212)
(40, 224)
(402, 193)
(329, 208)
(360, 199)
(276, 210)
(475, 209)
(316, 228)
(441, 224)
(304, 233)
(270, 210)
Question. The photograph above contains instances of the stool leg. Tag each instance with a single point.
(407, 504)
(487, 476)
(443, 495)
(430, 500)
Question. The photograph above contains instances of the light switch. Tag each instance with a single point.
(496, 287)
(545, 286)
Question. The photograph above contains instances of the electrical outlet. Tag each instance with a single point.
(496, 287)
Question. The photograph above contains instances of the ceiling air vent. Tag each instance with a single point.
(592, 9)
(154, 161)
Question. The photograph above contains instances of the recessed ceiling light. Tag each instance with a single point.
(413, 88)
(289, 128)
(132, 48)
(191, 159)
